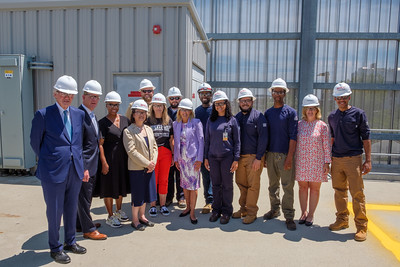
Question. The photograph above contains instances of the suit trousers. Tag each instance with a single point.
(174, 178)
(276, 175)
(222, 184)
(62, 200)
(84, 219)
(346, 174)
(248, 182)
(207, 185)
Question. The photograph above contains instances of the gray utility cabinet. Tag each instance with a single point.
(16, 113)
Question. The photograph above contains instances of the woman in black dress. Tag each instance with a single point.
(113, 181)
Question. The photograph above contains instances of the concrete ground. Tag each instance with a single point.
(175, 241)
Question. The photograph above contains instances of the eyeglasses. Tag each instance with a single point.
(174, 98)
(311, 108)
(147, 91)
(113, 105)
(140, 112)
(243, 101)
(64, 94)
(158, 106)
(92, 97)
(220, 104)
(278, 92)
(205, 94)
(342, 97)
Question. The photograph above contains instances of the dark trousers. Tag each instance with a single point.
(62, 200)
(222, 184)
(84, 220)
(207, 185)
(174, 178)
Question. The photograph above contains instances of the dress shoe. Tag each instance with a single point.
(183, 214)
(193, 221)
(361, 235)
(214, 217)
(309, 223)
(75, 248)
(249, 219)
(272, 214)
(60, 257)
(224, 219)
(239, 214)
(339, 225)
(290, 224)
(95, 235)
(147, 223)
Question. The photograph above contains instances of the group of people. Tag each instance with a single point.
(154, 150)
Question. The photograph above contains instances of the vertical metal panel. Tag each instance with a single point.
(31, 33)
(112, 56)
(18, 38)
(70, 52)
(171, 49)
(85, 44)
(127, 35)
(142, 39)
(5, 30)
(99, 44)
(156, 41)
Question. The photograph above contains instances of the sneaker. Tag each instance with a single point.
(361, 235)
(339, 225)
(153, 211)
(164, 211)
(207, 208)
(121, 216)
(182, 204)
(113, 222)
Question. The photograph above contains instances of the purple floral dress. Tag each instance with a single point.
(190, 179)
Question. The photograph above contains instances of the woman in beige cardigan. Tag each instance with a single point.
(141, 147)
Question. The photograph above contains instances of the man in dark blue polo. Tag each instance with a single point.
(253, 142)
(350, 134)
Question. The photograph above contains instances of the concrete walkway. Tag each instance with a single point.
(175, 241)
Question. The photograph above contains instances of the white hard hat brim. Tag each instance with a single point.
(344, 94)
(93, 92)
(273, 87)
(175, 95)
(311, 105)
(158, 102)
(254, 98)
(139, 108)
(66, 91)
(145, 87)
(186, 108)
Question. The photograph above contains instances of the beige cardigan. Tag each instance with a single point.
(136, 147)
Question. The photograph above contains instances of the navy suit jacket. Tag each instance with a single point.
(90, 144)
(50, 142)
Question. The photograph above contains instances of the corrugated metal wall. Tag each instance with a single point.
(94, 43)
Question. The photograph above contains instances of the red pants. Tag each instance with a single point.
(164, 160)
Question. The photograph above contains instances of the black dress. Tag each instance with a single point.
(116, 182)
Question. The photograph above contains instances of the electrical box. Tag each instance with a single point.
(16, 113)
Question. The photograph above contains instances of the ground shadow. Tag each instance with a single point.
(20, 180)
(27, 258)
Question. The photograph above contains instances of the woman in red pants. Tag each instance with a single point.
(161, 124)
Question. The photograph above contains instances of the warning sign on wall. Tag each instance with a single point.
(8, 74)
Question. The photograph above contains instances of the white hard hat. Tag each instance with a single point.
(341, 89)
(92, 87)
(245, 93)
(204, 87)
(174, 91)
(112, 97)
(146, 84)
(140, 104)
(186, 104)
(219, 95)
(310, 100)
(159, 98)
(279, 83)
(66, 84)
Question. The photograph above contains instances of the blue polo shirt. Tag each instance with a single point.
(253, 133)
(203, 114)
(282, 127)
(348, 128)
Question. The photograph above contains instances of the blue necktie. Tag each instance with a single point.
(67, 124)
(94, 122)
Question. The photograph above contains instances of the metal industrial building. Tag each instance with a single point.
(117, 43)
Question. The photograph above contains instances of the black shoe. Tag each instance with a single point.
(224, 219)
(193, 221)
(290, 224)
(60, 257)
(308, 223)
(147, 223)
(168, 202)
(271, 214)
(183, 214)
(75, 248)
(139, 227)
(214, 217)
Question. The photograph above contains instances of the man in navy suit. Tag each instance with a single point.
(56, 138)
(90, 99)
